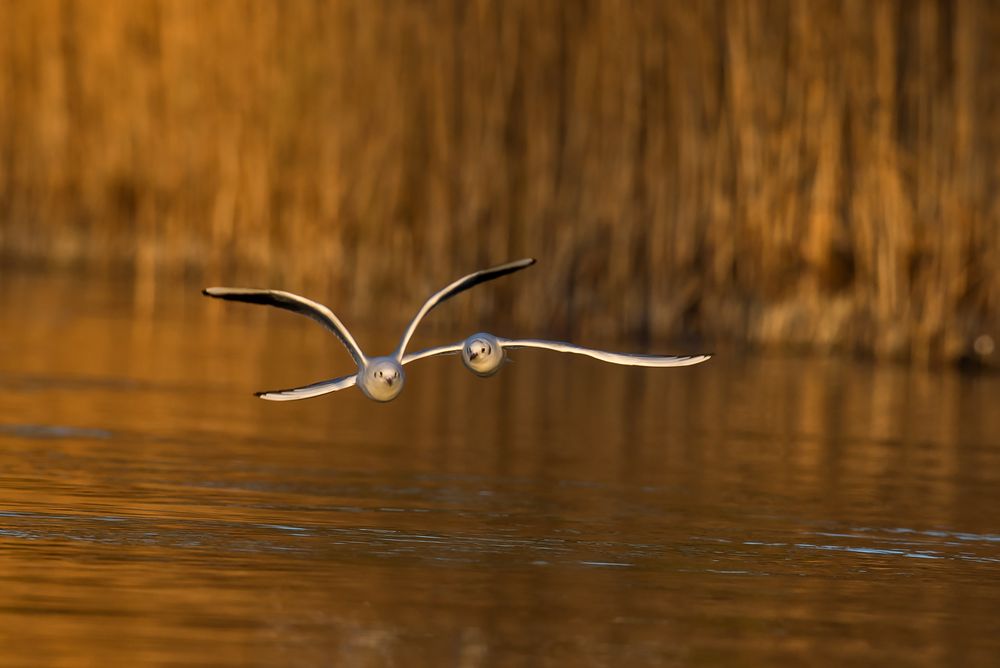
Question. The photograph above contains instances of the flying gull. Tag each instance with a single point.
(380, 378)
(483, 354)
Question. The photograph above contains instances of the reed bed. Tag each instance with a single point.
(780, 172)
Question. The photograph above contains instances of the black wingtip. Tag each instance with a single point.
(510, 267)
(515, 264)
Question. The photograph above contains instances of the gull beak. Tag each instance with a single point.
(473, 356)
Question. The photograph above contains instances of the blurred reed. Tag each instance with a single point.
(780, 172)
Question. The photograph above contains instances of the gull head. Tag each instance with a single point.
(482, 354)
(382, 379)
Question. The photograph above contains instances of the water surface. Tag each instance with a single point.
(749, 511)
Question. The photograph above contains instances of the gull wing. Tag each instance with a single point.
(628, 359)
(314, 390)
(458, 286)
(296, 304)
(450, 349)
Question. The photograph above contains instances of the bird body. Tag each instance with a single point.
(382, 379)
(482, 354)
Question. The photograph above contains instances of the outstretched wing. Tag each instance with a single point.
(314, 390)
(450, 349)
(460, 285)
(629, 359)
(296, 304)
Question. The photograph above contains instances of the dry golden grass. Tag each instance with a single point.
(783, 172)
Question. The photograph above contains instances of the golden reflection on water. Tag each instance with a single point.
(749, 510)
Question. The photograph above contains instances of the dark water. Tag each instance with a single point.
(750, 511)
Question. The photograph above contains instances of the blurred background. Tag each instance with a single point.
(818, 175)
(761, 179)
